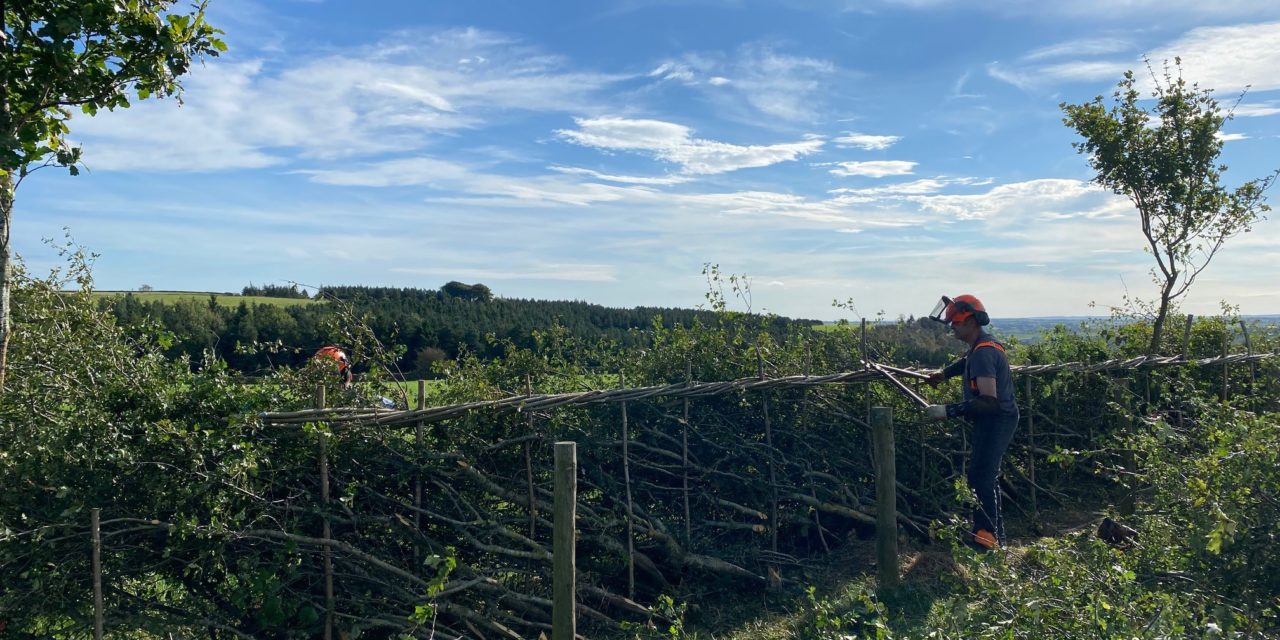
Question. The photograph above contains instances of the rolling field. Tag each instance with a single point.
(224, 299)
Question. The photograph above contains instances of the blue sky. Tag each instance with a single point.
(887, 151)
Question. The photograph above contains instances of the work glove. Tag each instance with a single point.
(934, 379)
(936, 411)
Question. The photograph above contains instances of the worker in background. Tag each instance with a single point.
(340, 357)
(988, 405)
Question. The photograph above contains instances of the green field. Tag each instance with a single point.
(224, 299)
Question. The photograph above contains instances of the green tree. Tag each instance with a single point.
(56, 55)
(1164, 158)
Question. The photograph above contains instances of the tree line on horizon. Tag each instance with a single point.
(424, 325)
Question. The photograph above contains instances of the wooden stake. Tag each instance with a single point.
(99, 612)
(773, 474)
(866, 390)
(1186, 336)
(866, 359)
(326, 532)
(817, 516)
(564, 624)
(1122, 395)
(528, 466)
(886, 498)
(626, 478)
(1248, 347)
(417, 474)
(684, 454)
(865, 356)
(1225, 389)
(1031, 439)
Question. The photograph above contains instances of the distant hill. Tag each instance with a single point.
(1030, 329)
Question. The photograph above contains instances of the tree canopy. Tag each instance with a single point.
(60, 55)
(1164, 159)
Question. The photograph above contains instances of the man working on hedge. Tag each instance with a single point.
(988, 405)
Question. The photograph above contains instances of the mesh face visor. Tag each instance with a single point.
(940, 310)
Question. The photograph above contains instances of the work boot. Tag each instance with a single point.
(983, 540)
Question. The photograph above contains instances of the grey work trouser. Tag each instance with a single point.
(991, 437)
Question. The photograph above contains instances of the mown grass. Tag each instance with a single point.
(224, 299)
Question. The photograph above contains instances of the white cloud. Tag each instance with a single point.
(1020, 198)
(675, 143)
(1038, 77)
(1230, 137)
(1088, 8)
(781, 85)
(913, 187)
(1257, 109)
(758, 76)
(394, 173)
(480, 187)
(1228, 59)
(673, 71)
(395, 96)
(866, 141)
(664, 180)
(874, 168)
(1082, 47)
(1225, 58)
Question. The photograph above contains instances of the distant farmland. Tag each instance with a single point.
(224, 299)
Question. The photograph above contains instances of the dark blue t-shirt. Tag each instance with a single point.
(990, 362)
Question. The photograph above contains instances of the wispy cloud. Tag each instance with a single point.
(1225, 58)
(1257, 109)
(1082, 47)
(537, 271)
(663, 180)
(865, 141)
(781, 85)
(758, 76)
(874, 168)
(1043, 196)
(1230, 58)
(439, 176)
(1033, 77)
(1079, 8)
(675, 143)
(913, 187)
(394, 96)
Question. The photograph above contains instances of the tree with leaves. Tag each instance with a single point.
(1164, 159)
(58, 55)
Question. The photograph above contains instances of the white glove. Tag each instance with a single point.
(936, 411)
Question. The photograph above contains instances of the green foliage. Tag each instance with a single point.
(473, 292)
(96, 416)
(1205, 563)
(90, 54)
(420, 321)
(665, 622)
(1165, 161)
(1216, 481)
(854, 613)
(194, 488)
(425, 613)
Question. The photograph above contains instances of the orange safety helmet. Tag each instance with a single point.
(950, 311)
(337, 355)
